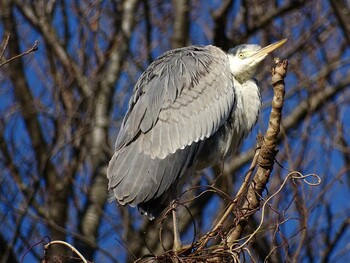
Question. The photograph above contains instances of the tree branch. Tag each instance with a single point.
(327, 253)
(5, 46)
(32, 49)
(220, 23)
(97, 139)
(42, 24)
(308, 106)
(342, 12)
(181, 23)
(63, 243)
(266, 156)
(59, 190)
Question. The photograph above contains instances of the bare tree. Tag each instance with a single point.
(61, 107)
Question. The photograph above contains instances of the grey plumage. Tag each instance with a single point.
(187, 110)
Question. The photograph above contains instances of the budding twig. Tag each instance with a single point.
(32, 49)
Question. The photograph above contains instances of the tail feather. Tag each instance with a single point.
(137, 179)
(156, 177)
(143, 184)
(133, 185)
(154, 207)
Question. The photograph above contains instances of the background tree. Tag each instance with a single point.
(61, 107)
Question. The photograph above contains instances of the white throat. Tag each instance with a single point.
(246, 113)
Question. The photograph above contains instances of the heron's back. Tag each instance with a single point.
(181, 117)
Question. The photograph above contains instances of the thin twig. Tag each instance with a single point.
(5, 46)
(231, 207)
(32, 49)
(67, 245)
(292, 175)
(35, 244)
(266, 155)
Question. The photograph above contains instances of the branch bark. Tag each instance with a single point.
(41, 22)
(342, 12)
(59, 191)
(220, 24)
(98, 139)
(32, 49)
(181, 23)
(306, 107)
(266, 156)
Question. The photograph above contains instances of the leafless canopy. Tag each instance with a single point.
(67, 70)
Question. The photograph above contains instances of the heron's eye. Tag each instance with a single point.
(241, 55)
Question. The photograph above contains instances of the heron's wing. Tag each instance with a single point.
(184, 96)
(136, 178)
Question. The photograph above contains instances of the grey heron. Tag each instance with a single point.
(190, 108)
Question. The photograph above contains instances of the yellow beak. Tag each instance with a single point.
(268, 49)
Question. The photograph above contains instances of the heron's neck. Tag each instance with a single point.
(236, 128)
(248, 106)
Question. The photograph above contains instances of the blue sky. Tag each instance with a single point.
(324, 159)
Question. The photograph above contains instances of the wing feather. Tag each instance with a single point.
(180, 83)
(183, 97)
(176, 133)
(159, 172)
(143, 178)
(141, 183)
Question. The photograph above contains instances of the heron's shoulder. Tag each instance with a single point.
(186, 61)
(193, 52)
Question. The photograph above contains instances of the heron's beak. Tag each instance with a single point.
(262, 53)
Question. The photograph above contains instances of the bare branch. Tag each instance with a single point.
(342, 12)
(220, 24)
(266, 155)
(58, 110)
(98, 138)
(181, 23)
(59, 242)
(5, 46)
(32, 49)
(41, 23)
(337, 237)
(241, 192)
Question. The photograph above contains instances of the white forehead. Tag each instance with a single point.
(245, 47)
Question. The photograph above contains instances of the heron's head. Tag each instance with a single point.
(244, 59)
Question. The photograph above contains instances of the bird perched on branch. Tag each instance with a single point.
(190, 108)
